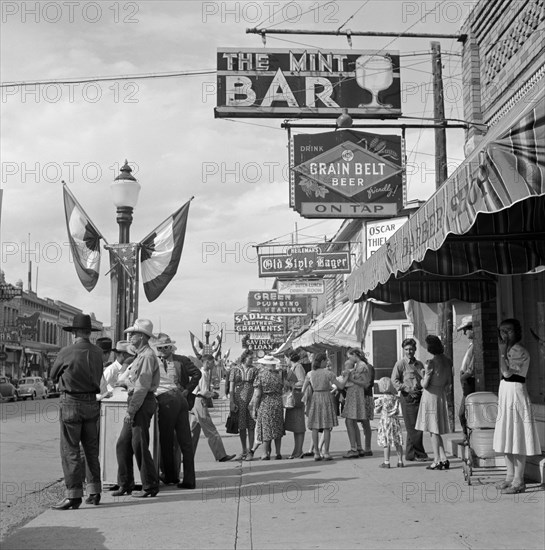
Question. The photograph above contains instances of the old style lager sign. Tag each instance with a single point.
(304, 260)
(258, 322)
(270, 301)
(347, 174)
(307, 83)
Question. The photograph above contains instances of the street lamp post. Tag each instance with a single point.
(125, 189)
(207, 331)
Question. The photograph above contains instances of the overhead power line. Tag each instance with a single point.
(83, 80)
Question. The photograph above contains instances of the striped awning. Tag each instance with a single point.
(485, 221)
(338, 328)
(285, 346)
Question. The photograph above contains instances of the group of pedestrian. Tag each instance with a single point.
(268, 401)
(157, 381)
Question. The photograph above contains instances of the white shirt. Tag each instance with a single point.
(468, 362)
(111, 374)
(204, 383)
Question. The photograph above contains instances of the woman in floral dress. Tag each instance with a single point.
(241, 391)
(321, 411)
(267, 404)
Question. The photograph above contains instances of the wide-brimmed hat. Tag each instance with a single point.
(268, 360)
(105, 344)
(82, 322)
(145, 326)
(124, 346)
(163, 340)
(467, 322)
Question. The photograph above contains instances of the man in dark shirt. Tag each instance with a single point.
(179, 377)
(78, 370)
(406, 378)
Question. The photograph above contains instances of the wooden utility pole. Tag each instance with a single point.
(444, 313)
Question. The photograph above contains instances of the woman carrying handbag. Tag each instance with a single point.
(241, 391)
(294, 420)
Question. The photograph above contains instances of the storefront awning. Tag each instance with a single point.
(286, 345)
(337, 329)
(485, 221)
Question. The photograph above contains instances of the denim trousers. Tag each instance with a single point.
(79, 415)
(415, 445)
(174, 421)
(134, 441)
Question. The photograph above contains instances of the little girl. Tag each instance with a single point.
(389, 429)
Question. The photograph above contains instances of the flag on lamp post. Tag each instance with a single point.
(84, 240)
(161, 251)
(216, 346)
(197, 345)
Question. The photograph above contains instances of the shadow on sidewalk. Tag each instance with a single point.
(70, 538)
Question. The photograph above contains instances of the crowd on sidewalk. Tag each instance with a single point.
(267, 398)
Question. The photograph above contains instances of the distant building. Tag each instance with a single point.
(31, 332)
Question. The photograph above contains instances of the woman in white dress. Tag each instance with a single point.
(515, 434)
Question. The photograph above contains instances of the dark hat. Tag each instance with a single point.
(105, 344)
(82, 322)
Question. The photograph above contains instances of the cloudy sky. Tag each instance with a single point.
(165, 127)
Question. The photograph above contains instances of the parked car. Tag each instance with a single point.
(32, 387)
(52, 388)
(7, 389)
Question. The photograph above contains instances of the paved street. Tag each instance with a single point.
(302, 504)
(29, 450)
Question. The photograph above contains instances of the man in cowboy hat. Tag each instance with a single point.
(78, 370)
(467, 370)
(143, 380)
(201, 416)
(105, 344)
(179, 377)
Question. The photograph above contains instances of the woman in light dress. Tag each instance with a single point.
(515, 434)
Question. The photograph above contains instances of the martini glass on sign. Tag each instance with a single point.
(374, 73)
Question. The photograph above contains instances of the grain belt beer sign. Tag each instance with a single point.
(304, 260)
(307, 83)
(270, 301)
(347, 174)
(259, 322)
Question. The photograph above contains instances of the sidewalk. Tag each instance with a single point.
(302, 504)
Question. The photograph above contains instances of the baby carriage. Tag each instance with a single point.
(481, 409)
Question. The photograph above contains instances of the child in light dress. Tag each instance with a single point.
(389, 429)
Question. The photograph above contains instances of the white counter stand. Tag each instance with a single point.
(112, 413)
